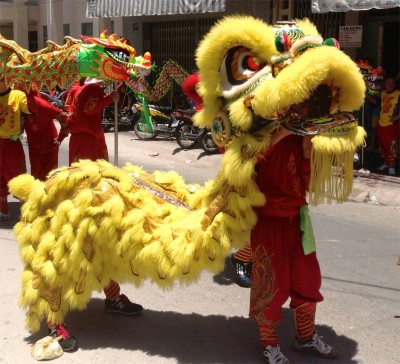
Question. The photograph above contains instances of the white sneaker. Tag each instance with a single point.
(316, 346)
(274, 355)
(4, 216)
(392, 171)
(382, 167)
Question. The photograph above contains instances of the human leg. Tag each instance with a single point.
(305, 284)
(388, 143)
(67, 341)
(241, 261)
(12, 164)
(119, 303)
(270, 282)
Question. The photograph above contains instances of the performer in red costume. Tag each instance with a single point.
(87, 141)
(12, 156)
(284, 260)
(189, 89)
(388, 127)
(43, 137)
(87, 136)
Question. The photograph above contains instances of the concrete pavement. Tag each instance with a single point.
(376, 189)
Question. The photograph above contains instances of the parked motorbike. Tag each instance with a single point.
(126, 119)
(127, 114)
(188, 135)
(161, 122)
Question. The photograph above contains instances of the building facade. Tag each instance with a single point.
(175, 36)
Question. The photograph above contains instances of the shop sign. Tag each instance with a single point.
(323, 6)
(350, 36)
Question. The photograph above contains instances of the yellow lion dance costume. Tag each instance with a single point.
(92, 222)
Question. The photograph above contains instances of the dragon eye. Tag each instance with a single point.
(239, 64)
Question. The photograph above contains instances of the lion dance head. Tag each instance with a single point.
(256, 78)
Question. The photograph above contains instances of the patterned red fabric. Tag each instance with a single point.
(280, 269)
(10, 167)
(85, 121)
(283, 178)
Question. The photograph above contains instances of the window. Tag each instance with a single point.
(33, 41)
(87, 29)
(45, 35)
(66, 30)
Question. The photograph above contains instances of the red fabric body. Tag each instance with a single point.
(41, 133)
(12, 162)
(283, 177)
(387, 137)
(85, 121)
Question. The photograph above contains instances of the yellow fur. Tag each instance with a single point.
(93, 222)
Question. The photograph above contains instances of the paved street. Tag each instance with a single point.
(206, 322)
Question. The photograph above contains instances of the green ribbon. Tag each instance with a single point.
(307, 238)
(16, 137)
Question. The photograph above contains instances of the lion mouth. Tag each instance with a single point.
(314, 115)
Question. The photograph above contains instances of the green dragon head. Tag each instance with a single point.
(105, 58)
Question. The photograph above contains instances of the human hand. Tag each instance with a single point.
(115, 96)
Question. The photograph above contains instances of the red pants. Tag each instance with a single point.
(280, 269)
(387, 137)
(43, 162)
(87, 146)
(12, 162)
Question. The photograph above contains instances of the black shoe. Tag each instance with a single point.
(243, 271)
(123, 305)
(68, 342)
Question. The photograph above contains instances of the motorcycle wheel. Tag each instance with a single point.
(208, 144)
(186, 135)
(142, 130)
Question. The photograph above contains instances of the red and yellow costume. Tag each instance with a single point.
(281, 269)
(43, 138)
(388, 130)
(12, 156)
(87, 137)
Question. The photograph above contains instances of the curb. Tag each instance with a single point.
(376, 189)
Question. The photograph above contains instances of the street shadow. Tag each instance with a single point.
(15, 212)
(189, 338)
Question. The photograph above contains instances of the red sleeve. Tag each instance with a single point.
(98, 106)
(48, 108)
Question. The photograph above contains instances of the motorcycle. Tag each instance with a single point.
(126, 114)
(161, 121)
(126, 118)
(188, 135)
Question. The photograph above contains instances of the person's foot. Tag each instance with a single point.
(68, 342)
(382, 167)
(316, 346)
(242, 270)
(4, 216)
(273, 355)
(123, 305)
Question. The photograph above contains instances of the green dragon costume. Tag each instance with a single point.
(93, 222)
(105, 58)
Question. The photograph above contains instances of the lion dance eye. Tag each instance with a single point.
(239, 64)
